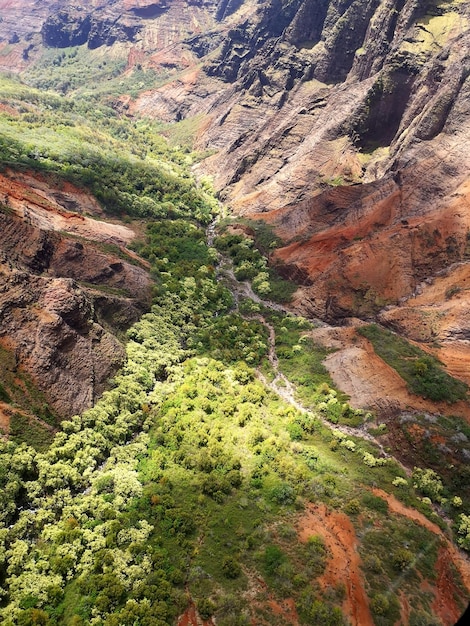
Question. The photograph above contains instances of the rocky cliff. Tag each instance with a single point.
(343, 124)
(347, 132)
(67, 288)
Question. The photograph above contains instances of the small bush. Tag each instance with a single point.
(379, 605)
(231, 568)
(273, 558)
(402, 559)
(206, 608)
(283, 494)
(352, 507)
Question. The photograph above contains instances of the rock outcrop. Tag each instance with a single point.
(63, 300)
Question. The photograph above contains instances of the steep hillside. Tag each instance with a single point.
(63, 297)
(70, 285)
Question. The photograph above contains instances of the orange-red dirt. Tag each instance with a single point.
(191, 617)
(343, 567)
(4, 419)
(33, 199)
(370, 383)
(446, 591)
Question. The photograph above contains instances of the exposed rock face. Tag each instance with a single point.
(155, 25)
(347, 130)
(62, 300)
(72, 28)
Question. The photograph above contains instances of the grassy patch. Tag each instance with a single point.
(423, 373)
(24, 429)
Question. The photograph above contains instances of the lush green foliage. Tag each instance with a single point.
(232, 338)
(247, 254)
(127, 165)
(422, 372)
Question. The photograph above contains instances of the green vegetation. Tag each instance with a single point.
(127, 165)
(232, 338)
(440, 445)
(397, 549)
(248, 253)
(422, 372)
(28, 430)
(74, 69)
(301, 361)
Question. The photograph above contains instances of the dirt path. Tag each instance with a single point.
(280, 384)
(284, 388)
(344, 565)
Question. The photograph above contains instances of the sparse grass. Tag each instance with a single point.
(182, 134)
(299, 358)
(397, 554)
(18, 389)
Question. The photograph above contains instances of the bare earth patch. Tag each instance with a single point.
(343, 567)
(369, 382)
(192, 618)
(4, 419)
(36, 202)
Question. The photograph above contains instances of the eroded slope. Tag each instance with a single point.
(63, 299)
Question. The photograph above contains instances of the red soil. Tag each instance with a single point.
(4, 419)
(446, 591)
(343, 567)
(285, 609)
(5, 108)
(191, 617)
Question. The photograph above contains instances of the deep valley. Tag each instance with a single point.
(234, 297)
